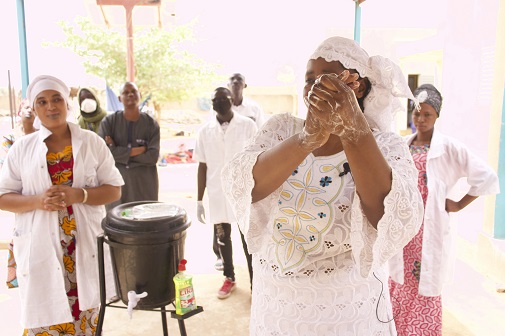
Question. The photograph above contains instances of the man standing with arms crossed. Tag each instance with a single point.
(134, 140)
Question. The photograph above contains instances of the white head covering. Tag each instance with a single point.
(46, 82)
(388, 81)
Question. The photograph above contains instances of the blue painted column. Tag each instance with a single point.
(499, 212)
(23, 51)
(357, 22)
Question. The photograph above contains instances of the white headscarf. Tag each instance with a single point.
(388, 82)
(46, 82)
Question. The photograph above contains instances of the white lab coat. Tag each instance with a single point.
(37, 246)
(250, 109)
(215, 148)
(448, 160)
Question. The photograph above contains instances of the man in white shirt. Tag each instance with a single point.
(217, 142)
(243, 105)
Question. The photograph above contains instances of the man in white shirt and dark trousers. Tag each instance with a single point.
(251, 109)
(217, 142)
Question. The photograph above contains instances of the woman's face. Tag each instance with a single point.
(51, 108)
(425, 118)
(317, 67)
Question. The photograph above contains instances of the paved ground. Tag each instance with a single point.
(471, 304)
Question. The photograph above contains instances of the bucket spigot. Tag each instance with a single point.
(133, 299)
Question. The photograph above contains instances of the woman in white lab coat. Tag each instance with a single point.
(57, 181)
(417, 275)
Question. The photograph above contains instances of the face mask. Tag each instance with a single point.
(88, 105)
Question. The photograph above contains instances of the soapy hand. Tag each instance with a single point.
(332, 102)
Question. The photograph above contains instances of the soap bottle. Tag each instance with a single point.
(184, 294)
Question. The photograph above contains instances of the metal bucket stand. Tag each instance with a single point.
(103, 304)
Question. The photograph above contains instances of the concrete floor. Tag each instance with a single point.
(471, 304)
(228, 317)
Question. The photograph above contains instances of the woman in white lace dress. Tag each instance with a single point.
(325, 202)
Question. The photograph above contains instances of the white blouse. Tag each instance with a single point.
(317, 260)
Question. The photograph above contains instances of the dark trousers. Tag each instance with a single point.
(222, 253)
(215, 245)
(222, 241)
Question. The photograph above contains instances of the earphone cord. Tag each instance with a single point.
(377, 307)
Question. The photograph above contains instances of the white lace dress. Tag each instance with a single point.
(318, 263)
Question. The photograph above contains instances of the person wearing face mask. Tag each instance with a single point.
(91, 114)
(217, 142)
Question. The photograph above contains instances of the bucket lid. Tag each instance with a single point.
(146, 217)
(149, 211)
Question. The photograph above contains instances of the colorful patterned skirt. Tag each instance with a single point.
(415, 314)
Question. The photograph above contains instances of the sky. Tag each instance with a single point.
(258, 38)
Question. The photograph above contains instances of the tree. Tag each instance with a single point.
(163, 69)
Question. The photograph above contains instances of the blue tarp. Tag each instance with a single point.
(113, 103)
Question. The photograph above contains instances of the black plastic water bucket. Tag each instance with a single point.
(146, 242)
